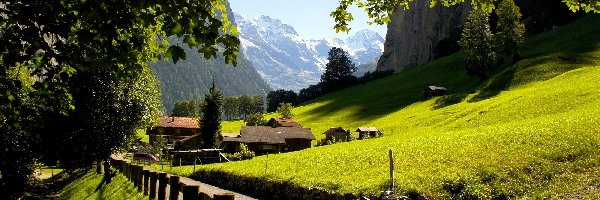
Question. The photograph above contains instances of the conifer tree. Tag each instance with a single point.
(210, 123)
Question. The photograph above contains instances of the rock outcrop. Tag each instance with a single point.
(413, 34)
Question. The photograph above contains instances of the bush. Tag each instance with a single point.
(245, 153)
(255, 119)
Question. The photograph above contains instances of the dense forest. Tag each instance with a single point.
(191, 78)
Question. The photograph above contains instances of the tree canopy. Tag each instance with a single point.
(510, 34)
(476, 43)
(186, 108)
(275, 98)
(339, 71)
(90, 56)
(380, 10)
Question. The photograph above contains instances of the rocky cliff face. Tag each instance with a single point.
(413, 34)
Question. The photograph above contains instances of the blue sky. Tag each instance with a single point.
(310, 18)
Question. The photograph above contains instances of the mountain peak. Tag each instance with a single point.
(288, 61)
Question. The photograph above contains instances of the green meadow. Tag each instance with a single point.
(87, 187)
(531, 130)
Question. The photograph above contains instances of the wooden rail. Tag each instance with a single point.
(154, 184)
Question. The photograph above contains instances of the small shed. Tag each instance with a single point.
(432, 91)
(366, 132)
(336, 134)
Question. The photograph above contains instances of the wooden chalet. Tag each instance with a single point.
(266, 139)
(366, 131)
(174, 129)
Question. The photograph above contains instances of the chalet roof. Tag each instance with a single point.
(284, 122)
(366, 129)
(333, 130)
(230, 137)
(178, 122)
(278, 135)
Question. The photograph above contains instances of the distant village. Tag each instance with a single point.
(279, 135)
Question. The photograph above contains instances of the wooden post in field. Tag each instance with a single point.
(153, 177)
(146, 174)
(392, 163)
(190, 192)
(174, 188)
(162, 186)
(224, 196)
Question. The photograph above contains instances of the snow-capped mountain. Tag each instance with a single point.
(287, 61)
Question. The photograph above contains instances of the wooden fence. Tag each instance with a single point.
(154, 184)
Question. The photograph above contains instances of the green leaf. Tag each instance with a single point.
(176, 53)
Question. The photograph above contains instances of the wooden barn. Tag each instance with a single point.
(432, 91)
(336, 134)
(366, 131)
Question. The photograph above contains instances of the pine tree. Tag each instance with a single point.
(210, 123)
(476, 43)
(510, 35)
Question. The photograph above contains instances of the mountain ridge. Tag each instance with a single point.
(286, 60)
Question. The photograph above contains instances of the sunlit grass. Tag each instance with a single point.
(531, 131)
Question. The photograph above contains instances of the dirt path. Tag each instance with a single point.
(205, 188)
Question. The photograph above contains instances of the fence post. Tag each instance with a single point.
(204, 196)
(153, 176)
(174, 188)
(133, 175)
(146, 174)
(224, 196)
(162, 186)
(190, 192)
(140, 178)
(128, 171)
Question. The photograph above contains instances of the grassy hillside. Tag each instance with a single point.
(86, 187)
(531, 131)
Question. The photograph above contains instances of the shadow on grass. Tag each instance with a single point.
(388, 95)
(448, 100)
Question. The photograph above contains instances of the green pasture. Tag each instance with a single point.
(532, 130)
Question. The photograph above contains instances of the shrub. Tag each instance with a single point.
(255, 119)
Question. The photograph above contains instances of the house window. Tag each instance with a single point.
(266, 147)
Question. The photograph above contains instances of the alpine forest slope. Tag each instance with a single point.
(532, 130)
(191, 78)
